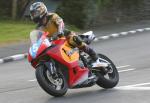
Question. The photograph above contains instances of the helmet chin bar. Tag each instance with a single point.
(36, 20)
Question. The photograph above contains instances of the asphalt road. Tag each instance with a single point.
(130, 54)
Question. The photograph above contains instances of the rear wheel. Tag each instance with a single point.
(55, 86)
(109, 79)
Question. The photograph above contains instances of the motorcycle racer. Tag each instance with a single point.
(53, 23)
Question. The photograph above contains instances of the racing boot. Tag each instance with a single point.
(97, 62)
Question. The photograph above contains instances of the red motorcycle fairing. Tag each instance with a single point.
(76, 74)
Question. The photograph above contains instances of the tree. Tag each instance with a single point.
(85, 13)
(78, 12)
(14, 9)
(5, 8)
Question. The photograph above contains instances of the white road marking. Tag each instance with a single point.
(134, 85)
(32, 80)
(121, 34)
(140, 30)
(17, 57)
(147, 28)
(124, 66)
(115, 35)
(104, 37)
(124, 33)
(126, 70)
(133, 88)
(132, 31)
(1, 61)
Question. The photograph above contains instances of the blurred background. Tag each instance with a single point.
(77, 14)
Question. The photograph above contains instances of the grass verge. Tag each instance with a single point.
(16, 31)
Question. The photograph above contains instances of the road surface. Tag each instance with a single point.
(131, 54)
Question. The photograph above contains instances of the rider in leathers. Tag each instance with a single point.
(52, 23)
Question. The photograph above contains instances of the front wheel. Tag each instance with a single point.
(54, 86)
(109, 79)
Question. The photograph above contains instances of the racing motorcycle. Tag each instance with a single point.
(59, 66)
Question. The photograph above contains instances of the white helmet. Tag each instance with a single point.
(37, 11)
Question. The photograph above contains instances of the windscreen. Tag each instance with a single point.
(35, 35)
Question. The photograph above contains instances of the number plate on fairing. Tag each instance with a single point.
(34, 48)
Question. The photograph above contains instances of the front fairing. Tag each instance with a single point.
(38, 47)
(39, 42)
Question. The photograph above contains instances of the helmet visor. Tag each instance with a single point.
(34, 14)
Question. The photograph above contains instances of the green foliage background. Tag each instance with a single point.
(86, 13)
(78, 12)
(6, 8)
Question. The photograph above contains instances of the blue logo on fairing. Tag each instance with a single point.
(34, 49)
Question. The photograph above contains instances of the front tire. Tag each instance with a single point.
(46, 84)
(113, 76)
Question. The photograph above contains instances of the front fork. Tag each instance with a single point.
(50, 65)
